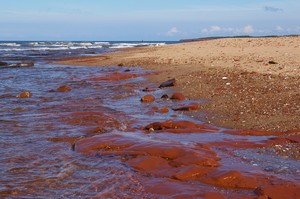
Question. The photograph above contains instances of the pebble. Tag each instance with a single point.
(25, 94)
(148, 98)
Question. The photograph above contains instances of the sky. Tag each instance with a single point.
(151, 20)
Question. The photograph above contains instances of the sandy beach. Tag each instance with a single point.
(248, 83)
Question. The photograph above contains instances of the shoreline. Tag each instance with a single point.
(248, 83)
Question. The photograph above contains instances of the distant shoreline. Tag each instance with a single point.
(233, 37)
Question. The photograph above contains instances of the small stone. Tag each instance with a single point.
(148, 98)
(169, 83)
(165, 96)
(25, 94)
(120, 64)
(272, 62)
(63, 89)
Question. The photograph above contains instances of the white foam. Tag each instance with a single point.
(55, 46)
(10, 44)
(102, 43)
(131, 45)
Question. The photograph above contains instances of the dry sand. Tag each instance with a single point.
(249, 83)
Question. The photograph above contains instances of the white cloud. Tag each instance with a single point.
(204, 30)
(215, 28)
(245, 30)
(248, 29)
(172, 31)
(279, 28)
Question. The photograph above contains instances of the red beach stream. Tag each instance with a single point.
(84, 132)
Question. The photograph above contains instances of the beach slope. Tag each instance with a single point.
(247, 83)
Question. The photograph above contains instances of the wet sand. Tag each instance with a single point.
(246, 83)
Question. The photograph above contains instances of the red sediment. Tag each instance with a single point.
(96, 122)
(294, 138)
(70, 140)
(178, 96)
(179, 127)
(151, 165)
(115, 77)
(97, 130)
(213, 195)
(176, 155)
(104, 142)
(155, 109)
(278, 191)
(237, 144)
(233, 179)
(192, 172)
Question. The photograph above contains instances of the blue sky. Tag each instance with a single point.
(145, 19)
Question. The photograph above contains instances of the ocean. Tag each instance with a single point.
(14, 51)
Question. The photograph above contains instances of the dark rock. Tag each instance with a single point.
(3, 63)
(178, 96)
(169, 83)
(272, 62)
(127, 70)
(148, 98)
(120, 64)
(165, 96)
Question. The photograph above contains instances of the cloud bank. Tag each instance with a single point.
(172, 31)
(214, 29)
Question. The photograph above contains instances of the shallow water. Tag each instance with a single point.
(90, 141)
